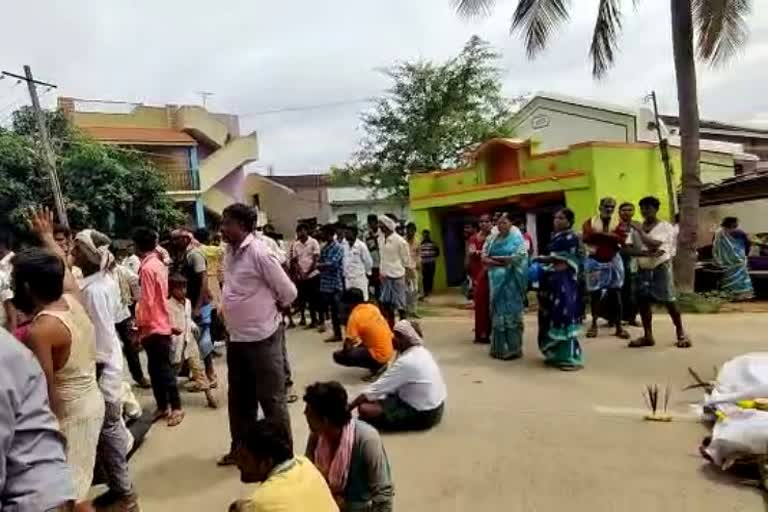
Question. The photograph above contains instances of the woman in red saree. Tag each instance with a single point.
(479, 275)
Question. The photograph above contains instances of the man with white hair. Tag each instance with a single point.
(100, 295)
(411, 393)
(395, 264)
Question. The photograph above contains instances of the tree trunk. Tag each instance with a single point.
(687, 99)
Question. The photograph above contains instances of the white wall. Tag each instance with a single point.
(753, 218)
(363, 210)
(559, 123)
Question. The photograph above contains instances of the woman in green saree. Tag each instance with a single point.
(506, 258)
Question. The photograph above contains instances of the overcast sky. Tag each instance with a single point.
(258, 56)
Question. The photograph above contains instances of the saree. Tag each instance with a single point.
(560, 305)
(730, 253)
(508, 286)
(481, 292)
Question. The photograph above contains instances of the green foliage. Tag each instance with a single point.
(429, 118)
(107, 188)
(704, 303)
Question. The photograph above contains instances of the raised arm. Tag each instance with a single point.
(40, 222)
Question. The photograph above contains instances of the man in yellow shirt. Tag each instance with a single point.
(284, 483)
(369, 339)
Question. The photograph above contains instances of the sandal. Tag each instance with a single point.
(175, 418)
(292, 398)
(641, 342)
(592, 332)
(159, 415)
(622, 334)
(683, 342)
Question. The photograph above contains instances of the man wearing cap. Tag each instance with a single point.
(394, 265)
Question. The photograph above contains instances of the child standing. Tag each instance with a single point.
(183, 343)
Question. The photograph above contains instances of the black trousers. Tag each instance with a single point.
(256, 379)
(309, 297)
(158, 348)
(129, 351)
(428, 277)
(357, 357)
(332, 301)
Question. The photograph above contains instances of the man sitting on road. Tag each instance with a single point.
(369, 340)
(411, 394)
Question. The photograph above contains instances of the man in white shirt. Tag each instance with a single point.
(411, 393)
(131, 261)
(100, 295)
(357, 261)
(655, 282)
(274, 248)
(395, 266)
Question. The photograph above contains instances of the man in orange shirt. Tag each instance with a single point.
(369, 339)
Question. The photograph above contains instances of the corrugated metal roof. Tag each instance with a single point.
(131, 135)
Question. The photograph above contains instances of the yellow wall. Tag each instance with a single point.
(140, 117)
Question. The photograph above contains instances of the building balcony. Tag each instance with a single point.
(180, 184)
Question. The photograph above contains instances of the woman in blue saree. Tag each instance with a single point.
(560, 304)
(506, 258)
(730, 250)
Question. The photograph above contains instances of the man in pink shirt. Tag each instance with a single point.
(256, 289)
(154, 326)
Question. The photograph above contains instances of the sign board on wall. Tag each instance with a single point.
(540, 121)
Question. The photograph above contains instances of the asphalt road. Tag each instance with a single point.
(516, 435)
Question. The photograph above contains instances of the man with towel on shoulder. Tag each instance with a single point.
(604, 235)
(395, 264)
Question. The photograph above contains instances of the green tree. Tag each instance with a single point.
(430, 116)
(719, 27)
(105, 187)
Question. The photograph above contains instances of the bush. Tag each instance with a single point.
(703, 303)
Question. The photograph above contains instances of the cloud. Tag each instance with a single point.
(259, 56)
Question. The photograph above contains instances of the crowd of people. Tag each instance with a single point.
(83, 305)
(619, 266)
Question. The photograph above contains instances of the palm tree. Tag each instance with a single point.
(719, 27)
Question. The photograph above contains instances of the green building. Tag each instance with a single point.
(509, 175)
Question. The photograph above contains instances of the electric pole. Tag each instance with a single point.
(48, 155)
(664, 149)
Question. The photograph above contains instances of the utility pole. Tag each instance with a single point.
(664, 149)
(48, 155)
(204, 95)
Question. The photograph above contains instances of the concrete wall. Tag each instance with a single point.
(752, 215)
(362, 211)
(557, 125)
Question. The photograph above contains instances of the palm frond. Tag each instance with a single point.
(471, 8)
(721, 28)
(605, 37)
(537, 19)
